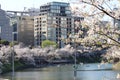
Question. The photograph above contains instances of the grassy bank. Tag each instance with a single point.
(7, 67)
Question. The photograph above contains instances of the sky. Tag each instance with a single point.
(19, 5)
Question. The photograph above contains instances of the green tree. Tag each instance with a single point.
(13, 43)
(48, 43)
(4, 42)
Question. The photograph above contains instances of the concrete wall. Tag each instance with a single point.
(6, 29)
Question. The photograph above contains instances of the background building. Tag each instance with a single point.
(26, 30)
(23, 26)
(5, 28)
(54, 22)
(116, 23)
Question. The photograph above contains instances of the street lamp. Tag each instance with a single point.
(75, 60)
(13, 69)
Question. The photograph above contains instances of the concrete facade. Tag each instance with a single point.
(23, 25)
(54, 23)
(26, 30)
(6, 29)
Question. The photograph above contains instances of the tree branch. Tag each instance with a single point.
(101, 33)
(101, 9)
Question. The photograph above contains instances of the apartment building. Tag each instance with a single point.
(23, 28)
(55, 22)
(5, 28)
(22, 23)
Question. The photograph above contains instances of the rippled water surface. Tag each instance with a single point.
(66, 72)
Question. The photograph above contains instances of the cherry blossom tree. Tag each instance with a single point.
(95, 12)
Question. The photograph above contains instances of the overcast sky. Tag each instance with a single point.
(20, 4)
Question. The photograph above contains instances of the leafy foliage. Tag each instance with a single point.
(48, 43)
(4, 42)
(13, 43)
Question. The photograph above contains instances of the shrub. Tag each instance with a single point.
(4, 42)
(48, 43)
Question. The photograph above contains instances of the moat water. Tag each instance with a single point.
(66, 72)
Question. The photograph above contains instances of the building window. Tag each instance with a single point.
(15, 37)
(15, 27)
(44, 21)
(23, 19)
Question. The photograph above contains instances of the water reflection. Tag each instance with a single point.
(65, 72)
